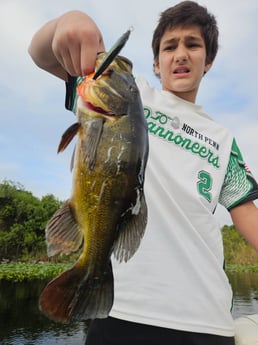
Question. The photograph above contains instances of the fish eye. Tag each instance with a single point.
(132, 88)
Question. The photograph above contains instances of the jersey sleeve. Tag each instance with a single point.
(239, 184)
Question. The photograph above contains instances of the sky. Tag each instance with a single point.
(33, 117)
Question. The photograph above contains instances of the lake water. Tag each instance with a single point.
(21, 323)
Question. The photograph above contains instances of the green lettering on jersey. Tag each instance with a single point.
(156, 127)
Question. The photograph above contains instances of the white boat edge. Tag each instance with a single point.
(246, 328)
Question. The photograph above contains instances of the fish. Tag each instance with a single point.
(107, 212)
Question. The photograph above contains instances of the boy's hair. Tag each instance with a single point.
(186, 14)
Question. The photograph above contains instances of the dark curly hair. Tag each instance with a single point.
(186, 14)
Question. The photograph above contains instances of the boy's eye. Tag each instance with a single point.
(194, 45)
(169, 48)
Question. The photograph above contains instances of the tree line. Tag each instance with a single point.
(23, 219)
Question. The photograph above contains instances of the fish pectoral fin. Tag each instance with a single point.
(131, 234)
(63, 234)
(68, 136)
(91, 142)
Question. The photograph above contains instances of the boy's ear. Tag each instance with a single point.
(207, 67)
(156, 68)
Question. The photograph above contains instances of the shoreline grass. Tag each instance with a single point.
(243, 268)
(20, 271)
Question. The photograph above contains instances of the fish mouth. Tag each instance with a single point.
(84, 92)
(98, 109)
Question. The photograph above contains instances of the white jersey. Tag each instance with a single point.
(176, 278)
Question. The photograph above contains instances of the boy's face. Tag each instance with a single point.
(182, 61)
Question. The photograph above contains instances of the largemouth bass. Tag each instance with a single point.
(107, 211)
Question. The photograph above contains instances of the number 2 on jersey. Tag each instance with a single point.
(204, 184)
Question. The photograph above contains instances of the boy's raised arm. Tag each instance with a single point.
(68, 44)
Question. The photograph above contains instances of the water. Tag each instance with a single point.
(245, 289)
(21, 323)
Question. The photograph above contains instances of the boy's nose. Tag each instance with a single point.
(181, 59)
(181, 55)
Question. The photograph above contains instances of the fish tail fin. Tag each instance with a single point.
(56, 298)
(94, 298)
(73, 296)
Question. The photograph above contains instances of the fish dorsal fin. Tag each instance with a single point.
(130, 234)
(68, 136)
(90, 145)
(63, 234)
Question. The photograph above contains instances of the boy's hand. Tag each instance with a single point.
(76, 42)
(68, 44)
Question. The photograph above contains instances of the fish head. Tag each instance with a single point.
(112, 92)
(120, 63)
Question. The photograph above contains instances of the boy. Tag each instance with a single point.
(174, 290)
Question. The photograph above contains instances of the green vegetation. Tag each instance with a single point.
(23, 218)
(20, 271)
(233, 268)
(237, 252)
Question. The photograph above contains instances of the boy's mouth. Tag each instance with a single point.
(181, 70)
